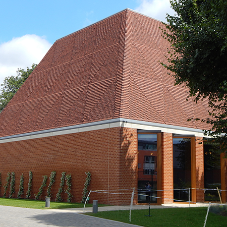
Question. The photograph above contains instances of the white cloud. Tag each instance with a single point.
(156, 9)
(21, 52)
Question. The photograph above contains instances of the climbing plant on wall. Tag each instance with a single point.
(21, 187)
(28, 194)
(12, 185)
(69, 187)
(41, 187)
(7, 184)
(86, 185)
(60, 190)
(52, 180)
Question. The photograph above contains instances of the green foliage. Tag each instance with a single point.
(52, 180)
(198, 56)
(37, 204)
(28, 194)
(219, 210)
(45, 178)
(7, 184)
(12, 185)
(199, 39)
(69, 187)
(11, 85)
(86, 185)
(21, 187)
(211, 156)
(60, 190)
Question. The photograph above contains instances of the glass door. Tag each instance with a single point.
(181, 168)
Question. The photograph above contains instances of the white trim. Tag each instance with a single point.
(113, 123)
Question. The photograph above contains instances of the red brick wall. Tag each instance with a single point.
(167, 168)
(128, 163)
(111, 160)
(199, 169)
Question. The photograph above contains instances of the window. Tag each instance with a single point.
(149, 165)
(147, 142)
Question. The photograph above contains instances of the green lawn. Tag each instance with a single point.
(36, 204)
(168, 217)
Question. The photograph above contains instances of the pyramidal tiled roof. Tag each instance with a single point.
(108, 70)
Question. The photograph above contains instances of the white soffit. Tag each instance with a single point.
(113, 123)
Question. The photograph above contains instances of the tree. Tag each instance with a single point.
(198, 56)
(11, 85)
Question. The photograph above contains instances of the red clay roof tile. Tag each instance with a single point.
(108, 70)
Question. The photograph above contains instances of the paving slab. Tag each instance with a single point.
(26, 217)
(71, 217)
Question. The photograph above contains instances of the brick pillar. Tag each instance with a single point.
(167, 167)
(197, 169)
(224, 178)
(128, 165)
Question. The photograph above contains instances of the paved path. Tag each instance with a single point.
(25, 217)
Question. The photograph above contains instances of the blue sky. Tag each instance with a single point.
(30, 27)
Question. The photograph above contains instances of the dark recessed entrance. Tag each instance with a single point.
(181, 168)
(147, 168)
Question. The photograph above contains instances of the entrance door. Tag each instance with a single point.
(181, 168)
(147, 168)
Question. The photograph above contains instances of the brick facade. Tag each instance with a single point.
(199, 158)
(109, 154)
(167, 168)
(107, 71)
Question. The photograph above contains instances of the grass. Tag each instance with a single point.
(174, 217)
(36, 204)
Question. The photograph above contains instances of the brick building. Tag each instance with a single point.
(100, 101)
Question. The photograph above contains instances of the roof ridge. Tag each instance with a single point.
(127, 9)
(80, 30)
(144, 15)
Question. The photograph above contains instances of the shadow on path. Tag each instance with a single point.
(74, 219)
